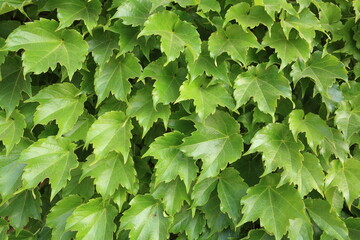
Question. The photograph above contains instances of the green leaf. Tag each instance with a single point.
(173, 194)
(11, 170)
(55, 100)
(175, 34)
(202, 191)
(110, 132)
(356, 6)
(288, 49)
(11, 129)
(248, 16)
(264, 85)
(258, 234)
(347, 119)
(134, 12)
(81, 127)
(206, 97)
(146, 219)
(274, 206)
(51, 158)
(346, 177)
(102, 45)
(274, 6)
(353, 224)
(12, 84)
(171, 161)
(56, 219)
(128, 36)
(216, 142)
(234, 41)
(322, 70)
(300, 229)
(70, 10)
(142, 107)
(311, 175)
(93, 219)
(168, 80)
(21, 207)
(192, 226)
(111, 172)
(113, 77)
(279, 150)
(319, 211)
(4, 228)
(45, 47)
(231, 188)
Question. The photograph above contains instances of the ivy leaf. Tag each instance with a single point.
(134, 12)
(264, 85)
(206, 97)
(231, 188)
(4, 228)
(146, 219)
(70, 10)
(51, 158)
(274, 6)
(56, 219)
(81, 127)
(356, 6)
(346, 178)
(21, 207)
(279, 150)
(288, 49)
(11, 170)
(171, 161)
(202, 191)
(45, 47)
(100, 216)
(258, 234)
(11, 129)
(335, 145)
(300, 229)
(273, 205)
(347, 119)
(322, 70)
(111, 172)
(113, 77)
(55, 100)
(234, 41)
(168, 80)
(216, 142)
(175, 34)
(128, 36)
(192, 226)
(173, 194)
(13, 83)
(142, 107)
(353, 224)
(102, 45)
(110, 132)
(319, 211)
(311, 175)
(248, 16)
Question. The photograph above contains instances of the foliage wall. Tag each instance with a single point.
(179, 119)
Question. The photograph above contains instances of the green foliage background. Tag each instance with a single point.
(179, 119)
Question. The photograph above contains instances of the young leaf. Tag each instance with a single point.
(274, 6)
(171, 161)
(142, 107)
(347, 119)
(55, 100)
(93, 219)
(287, 49)
(51, 158)
(113, 77)
(206, 98)
(11, 129)
(319, 210)
(274, 206)
(234, 41)
(216, 142)
(346, 177)
(70, 10)
(56, 219)
(111, 172)
(175, 34)
(264, 85)
(110, 132)
(146, 219)
(45, 47)
(134, 12)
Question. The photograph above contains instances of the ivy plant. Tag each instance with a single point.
(180, 119)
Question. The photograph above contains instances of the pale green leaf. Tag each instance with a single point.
(175, 34)
(11, 129)
(216, 142)
(61, 102)
(146, 219)
(51, 158)
(300, 229)
(356, 6)
(275, 6)
(134, 12)
(93, 220)
(347, 119)
(110, 132)
(45, 47)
